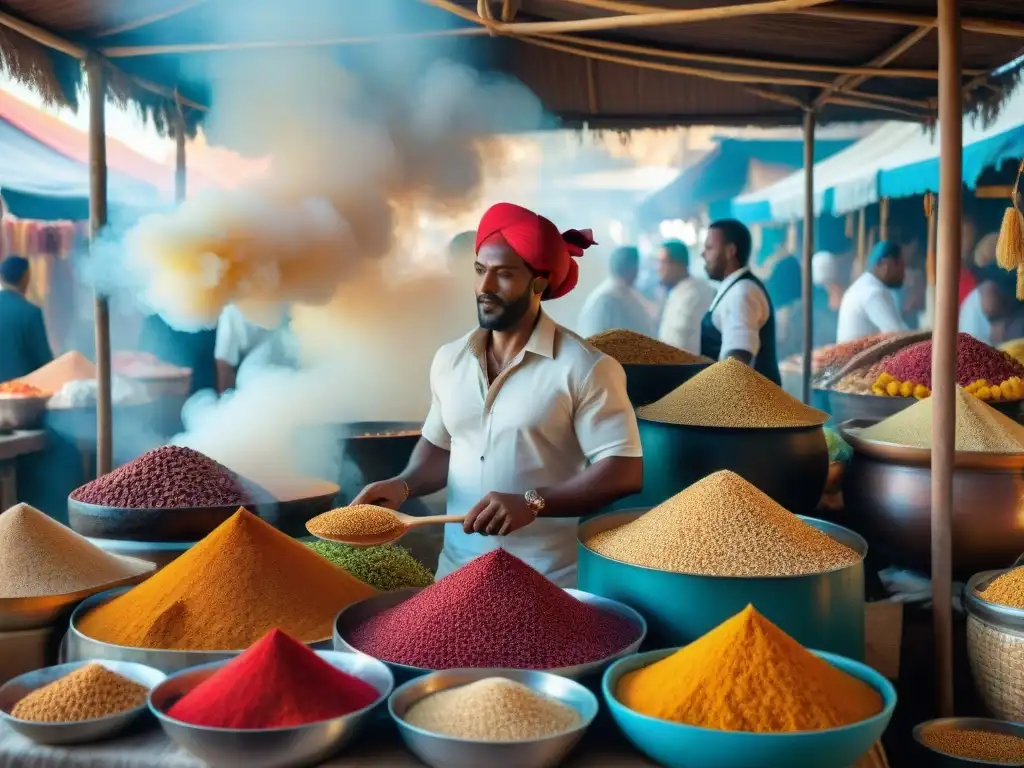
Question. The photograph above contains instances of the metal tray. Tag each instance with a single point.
(357, 613)
(18, 613)
(22, 412)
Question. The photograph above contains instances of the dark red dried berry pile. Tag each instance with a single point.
(170, 477)
(493, 612)
(974, 360)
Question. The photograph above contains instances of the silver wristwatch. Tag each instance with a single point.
(534, 501)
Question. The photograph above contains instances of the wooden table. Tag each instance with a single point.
(11, 447)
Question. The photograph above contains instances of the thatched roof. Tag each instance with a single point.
(610, 63)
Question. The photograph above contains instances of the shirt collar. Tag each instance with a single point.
(724, 285)
(541, 342)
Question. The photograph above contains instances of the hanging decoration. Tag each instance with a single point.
(1010, 247)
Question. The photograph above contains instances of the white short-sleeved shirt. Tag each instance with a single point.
(685, 307)
(868, 307)
(613, 304)
(739, 311)
(250, 347)
(559, 407)
(973, 320)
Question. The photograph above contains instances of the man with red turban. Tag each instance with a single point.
(530, 427)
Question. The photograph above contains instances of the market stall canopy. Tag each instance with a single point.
(607, 63)
(726, 171)
(897, 160)
(44, 167)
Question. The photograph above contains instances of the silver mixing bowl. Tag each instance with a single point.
(439, 751)
(357, 613)
(272, 747)
(56, 734)
(941, 759)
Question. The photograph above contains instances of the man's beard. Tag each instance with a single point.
(508, 314)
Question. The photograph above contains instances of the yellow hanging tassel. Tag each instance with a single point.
(1010, 246)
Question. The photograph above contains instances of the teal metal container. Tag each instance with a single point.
(823, 610)
(672, 745)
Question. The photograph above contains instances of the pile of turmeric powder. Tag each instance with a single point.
(748, 675)
(229, 590)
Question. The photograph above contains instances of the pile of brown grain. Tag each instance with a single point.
(979, 427)
(88, 693)
(731, 394)
(493, 709)
(989, 747)
(354, 522)
(51, 378)
(723, 526)
(631, 348)
(1007, 589)
(40, 557)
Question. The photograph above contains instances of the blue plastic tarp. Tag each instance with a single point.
(37, 182)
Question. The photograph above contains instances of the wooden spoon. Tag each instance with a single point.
(403, 524)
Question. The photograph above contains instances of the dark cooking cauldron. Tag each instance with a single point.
(790, 464)
(380, 449)
(646, 384)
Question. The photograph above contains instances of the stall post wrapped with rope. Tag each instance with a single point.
(806, 283)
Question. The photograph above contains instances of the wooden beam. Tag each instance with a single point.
(97, 221)
(944, 344)
(153, 18)
(985, 26)
(180, 170)
(42, 36)
(848, 82)
(806, 284)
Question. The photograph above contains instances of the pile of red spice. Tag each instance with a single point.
(170, 477)
(493, 612)
(975, 360)
(277, 683)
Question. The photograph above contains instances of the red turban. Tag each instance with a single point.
(538, 242)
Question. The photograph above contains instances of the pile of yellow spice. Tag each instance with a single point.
(748, 675)
(1006, 590)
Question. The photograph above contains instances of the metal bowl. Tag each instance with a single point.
(439, 751)
(73, 733)
(820, 610)
(78, 647)
(995, 649)
(887, 489)
(357, 613)
(790, 464)
(674, 745)
(943, 760)
(845, 406)
(18, 412)
(160, 553)
(380, 449)
(646, 384)
(17, 613)
(290, 515)
(272, 747)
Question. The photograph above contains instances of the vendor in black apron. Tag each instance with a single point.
(741, 321)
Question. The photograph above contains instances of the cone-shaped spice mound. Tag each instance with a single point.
(748, 675)
(39, 557)
(979, 427)
(277, 683)
(632, 348)
(731, 394)
(493, 612)
(974, 360)
(71, 366)
(1007, 589)
(88, 693)
(170, 477)
(723, 526)
(242, 580)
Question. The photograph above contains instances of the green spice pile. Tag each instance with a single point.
(631, 348)
(723, 526)
(387, 568)
(710, 399)
(88, 693)
(987, 746)
(493, 709)
(979, 427)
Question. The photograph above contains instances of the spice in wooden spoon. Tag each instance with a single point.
(367, 525)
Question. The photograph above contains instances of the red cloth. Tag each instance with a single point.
(538, 242)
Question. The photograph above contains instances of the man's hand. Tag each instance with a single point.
(499, 514)
(385, 493)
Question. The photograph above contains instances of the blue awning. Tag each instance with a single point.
(37, 182)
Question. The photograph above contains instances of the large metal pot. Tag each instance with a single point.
(823, 611)
(789, 464)
(848, 406)
(995, 647)
(887, 488)
(380, 449)
(646, 384)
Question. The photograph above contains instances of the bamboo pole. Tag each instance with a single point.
(862, 241)
(985, 26)
(97, 221)
(152, 18)
(180, 172)
(806, 285)
(944, 344)
(929, 209)
(883, 219)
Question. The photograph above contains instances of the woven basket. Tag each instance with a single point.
(997, 664)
